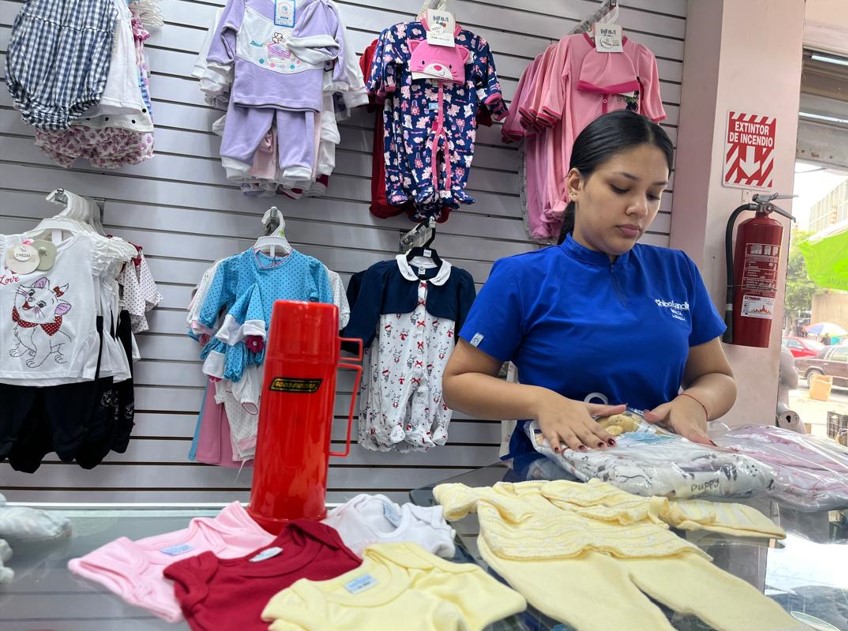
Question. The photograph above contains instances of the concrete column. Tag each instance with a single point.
(745, 56)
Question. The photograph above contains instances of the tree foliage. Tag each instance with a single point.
(799, 288)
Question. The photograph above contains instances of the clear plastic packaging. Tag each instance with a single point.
(651, 461)
(810, 473)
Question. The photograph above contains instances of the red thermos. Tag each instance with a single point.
(296, 414)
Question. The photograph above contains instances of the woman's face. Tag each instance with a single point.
(620, 199)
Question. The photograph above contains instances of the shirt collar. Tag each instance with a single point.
(408, 273)
(583, 254)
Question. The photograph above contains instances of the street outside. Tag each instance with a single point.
(814, 413)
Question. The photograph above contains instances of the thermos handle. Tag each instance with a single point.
(356, 382)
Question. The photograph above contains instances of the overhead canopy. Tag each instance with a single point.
(826, 256)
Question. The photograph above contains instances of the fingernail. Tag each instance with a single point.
(601, 445)
(556, 449)
(611, 442)
(582, 448)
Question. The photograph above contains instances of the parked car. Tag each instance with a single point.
(802, 346)
(831, 360)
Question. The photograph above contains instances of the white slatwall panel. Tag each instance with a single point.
(180, 208)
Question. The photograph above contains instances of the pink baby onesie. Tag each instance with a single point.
(134, 569)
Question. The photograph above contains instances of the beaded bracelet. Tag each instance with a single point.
(698, 401)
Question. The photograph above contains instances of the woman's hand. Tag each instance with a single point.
(569, 423)
(685, 416)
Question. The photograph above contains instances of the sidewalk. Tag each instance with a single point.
(815, 412)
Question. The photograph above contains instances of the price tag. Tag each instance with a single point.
(284, 12)
(441, 26)
(22, 259)
(608, 38)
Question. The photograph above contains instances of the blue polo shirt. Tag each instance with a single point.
(586, 328)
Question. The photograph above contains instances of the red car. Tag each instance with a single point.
(802, 346)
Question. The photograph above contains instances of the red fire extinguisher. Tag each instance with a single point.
(296, 413)
(752, 272)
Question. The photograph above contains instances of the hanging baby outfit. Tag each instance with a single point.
(559, 94)
(277, 78)
(65, 373)
(406, 318)
(431, 126)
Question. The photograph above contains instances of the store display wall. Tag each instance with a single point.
(180, 209)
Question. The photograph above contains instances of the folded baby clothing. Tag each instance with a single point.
(134, 570)
(567, 546)
(398, 586)
(368, 519)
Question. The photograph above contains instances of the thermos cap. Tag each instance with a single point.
(309, 330)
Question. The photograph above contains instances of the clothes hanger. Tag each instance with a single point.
(274, 240)
(76, 218)
(425, 251)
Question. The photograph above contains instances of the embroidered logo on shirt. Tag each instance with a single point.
(676, 309)
(290, 384)
(475, 341)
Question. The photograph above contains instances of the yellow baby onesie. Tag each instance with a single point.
(398, 586)
(572, 553)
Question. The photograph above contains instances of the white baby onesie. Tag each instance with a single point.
(368, 519)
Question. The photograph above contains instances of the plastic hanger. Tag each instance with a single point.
(78, 217)
(425, 251)
(274, 242)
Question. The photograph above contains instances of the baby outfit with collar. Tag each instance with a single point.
(407, 323)
(368, 519)
(564, 545)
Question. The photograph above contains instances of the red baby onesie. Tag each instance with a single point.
(219, 594)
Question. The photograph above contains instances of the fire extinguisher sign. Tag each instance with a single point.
(749, 151)
(760, 280)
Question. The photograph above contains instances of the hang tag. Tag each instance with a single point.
(360, 584)
(177, 550)
(46, 254)
(284, 12)
(441, 26)
(608, 38)
(422, 271)
(22, 259)
(428, 254)
(266, 554)
(432, 107)
(391, 514)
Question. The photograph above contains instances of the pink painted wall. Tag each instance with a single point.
(741, 56)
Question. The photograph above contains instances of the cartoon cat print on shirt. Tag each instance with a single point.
(37, 316)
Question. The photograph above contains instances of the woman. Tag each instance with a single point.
(598, 322)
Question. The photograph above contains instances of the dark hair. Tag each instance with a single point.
(606, 136)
